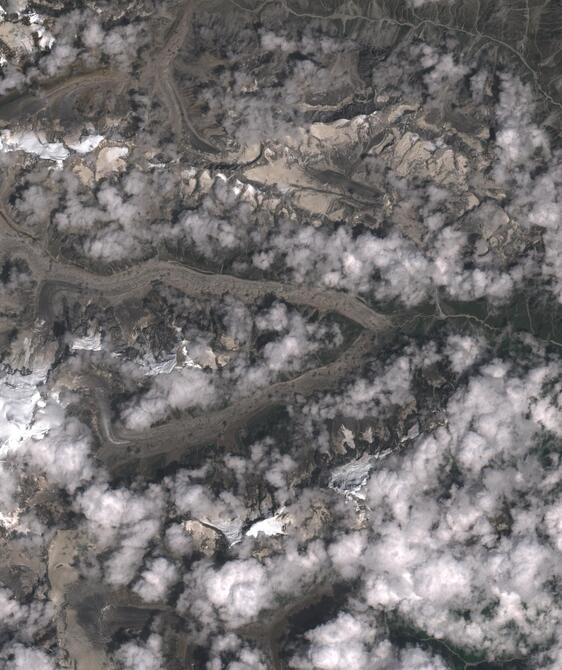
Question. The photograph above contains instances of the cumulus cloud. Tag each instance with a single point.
(537, 203)
(225, 511)
(237, 592)
(443, 71)
(339, 643)
(519, 137)
(156, 580)
(463, 351)
(308, 42)
(20, 624)
(426, 559)
(450, 524)
(392, 266)
(60, 447)
(24, 621)
(226, 222)
(54, 51)
(291, 341)
(123, 521)
(369, 396)
(39, 431)
(178, 541)
(181, 389)
(356, 641)
(119, 220)
(257, 346)
(18, 657)
(418, 659)
(237, 653)
(532, 168)
(141, 656)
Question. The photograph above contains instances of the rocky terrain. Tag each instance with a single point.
(280, 335)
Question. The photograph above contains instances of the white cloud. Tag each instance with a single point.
(141, 656)
(60, 446)
(237, 653)
(479, 544)
(519, 137)
(224, 511)
(122, 521)
(38, 430)
(463, 351)
(417, 659)
(156, 580)
(242, 588)
(178, 540)
(17, 657)
(239, 590)
(343, 642)
(443, 71)
(24, 621)
(181, 389)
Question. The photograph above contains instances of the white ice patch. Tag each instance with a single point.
(19, 397)
(86, 144)
(271, 526)
(231, 529)
(34, 143)
(88, 343)
(153, 367)
(350, 478)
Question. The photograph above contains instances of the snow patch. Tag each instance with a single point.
(34, 143)
(86, 144)
(88, 343)
(350, 478)
(270, 526)
(19, 398)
